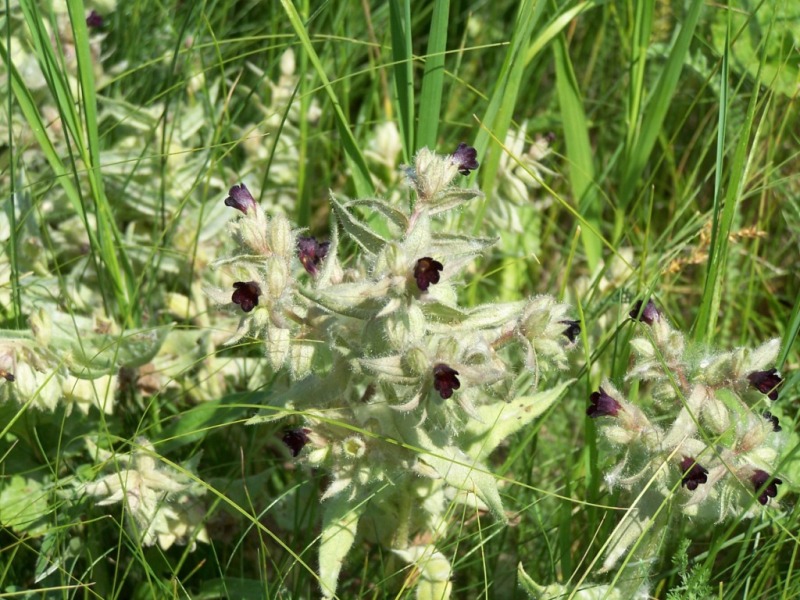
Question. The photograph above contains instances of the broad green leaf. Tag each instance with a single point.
(452, 198)
(460, 471)
(500, 420)
(484, 316)
(23, 505)
(365, 237)
(394, 215)
(339, 525)
(453, 244)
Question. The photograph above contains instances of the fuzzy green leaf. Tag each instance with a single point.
(23, 505)
(502, 420)
(339, 525)
(362, 235)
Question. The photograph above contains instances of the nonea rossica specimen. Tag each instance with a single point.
(402, 391)
(695, 433)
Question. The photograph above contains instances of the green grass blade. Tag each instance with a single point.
(105, 239)
(112, 249)
(556, 26)
(642, 28)
(403, 61)
(705, 324)
(497, 118)
(656, 109)
(430, 100)
(579, 150)
(790, 336)
(355, 159)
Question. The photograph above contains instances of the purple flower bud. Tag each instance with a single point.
(94, 21)
(295, 439)
(445, 380)
(766, 382)
(602, 405)
(240, 198)
(573, 329)
(426, 272)
(311, 253)
(246, 294)
(759, 479)
(649, 314)
(776, 426)
(693, 473)
(465, 158)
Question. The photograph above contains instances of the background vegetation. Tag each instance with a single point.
(664, 136)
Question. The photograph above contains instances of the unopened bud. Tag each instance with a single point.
(404, 328)
(391, 261)
(281, 239)
(715, 414)
(277, 346)
(416, 361)
(301, 356)
(277, 276)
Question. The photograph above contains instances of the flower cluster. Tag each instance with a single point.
(380, 352)
(695, 427)
(161, 501)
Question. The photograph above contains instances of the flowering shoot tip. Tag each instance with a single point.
(465, 157)
(426, 272)
(246, 294)
(240, 198)
(445, 380)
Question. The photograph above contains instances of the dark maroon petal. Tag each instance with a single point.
(465, 158)
(761, 478)
(295, 439)
(649, 314)
(426, 272)
(240, 198)
(445, 380)
(693, 473)
(311, 253)
(572, 331)
(766, 382)
(776, 426)
(94, 20)
(246, 294)
(602, 405)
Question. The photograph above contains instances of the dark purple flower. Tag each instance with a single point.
(650, 314)
(602, 405)
(766, 382)
(693, 473)
(445, 380)
(311, 253)
(573, 329)
(295, 439)
(465, 158)
(7, 376)
(426, 272)
(246, 294)
(240, 198)
(759, 479)
(776, 426)
(94, 20)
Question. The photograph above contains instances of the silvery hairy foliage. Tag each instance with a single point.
(403, 391)
(696, 431)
